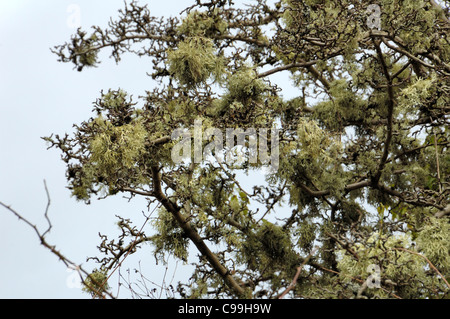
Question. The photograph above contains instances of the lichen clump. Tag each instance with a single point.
(194, 61)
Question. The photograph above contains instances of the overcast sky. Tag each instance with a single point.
(40, 96)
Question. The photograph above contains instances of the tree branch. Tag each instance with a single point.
(442, 213)
(297, 274)
(319, 193)
(427, 260)
(64, 259)
(192, 234)
(287, 67)
(390, 115)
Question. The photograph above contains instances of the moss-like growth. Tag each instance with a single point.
(96, 284)
(115, 153)
(195, 61)
(170, 238)
(269, 247)
(243, 86)
(434, 241)
(117, 146)
(380, 253)
(202, 24)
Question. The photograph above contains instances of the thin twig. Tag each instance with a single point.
(360, 281)
(232, 178)
(428, 261)
(297, 274)
(437, 162)
(47, 209)
(130, 249)
(69, 264)
(343, 245)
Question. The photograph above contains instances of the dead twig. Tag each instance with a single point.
(297, 274)
(428, 261)
(70, 264)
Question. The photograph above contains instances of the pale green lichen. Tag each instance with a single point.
(202, 24)
(96, 284)
(434, 242)
(194, 61)
(117, 146)
(170, 237)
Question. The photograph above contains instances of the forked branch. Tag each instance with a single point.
(70, 264)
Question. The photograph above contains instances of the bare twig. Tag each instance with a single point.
(46, 210)
(343, 245)
(52, 248)
(428, 261)
(359, 280)
(286, 67)
(130, 248)
(437, 162)
(297, 274)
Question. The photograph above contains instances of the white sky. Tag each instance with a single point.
(40, 96)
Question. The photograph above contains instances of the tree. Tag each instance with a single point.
(355, 203)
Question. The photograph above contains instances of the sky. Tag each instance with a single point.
(40, 96)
